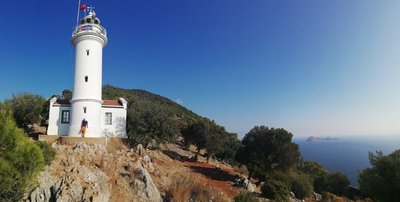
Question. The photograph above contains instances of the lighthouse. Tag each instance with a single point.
(89, 38)
(105, 118)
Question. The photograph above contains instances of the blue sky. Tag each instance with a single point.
(311, 67)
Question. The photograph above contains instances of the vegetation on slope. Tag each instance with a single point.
(324, 181)
(382, 180)
(153, 118)
(267, 149)
(136, 97)
(28, 109)
(20, 159)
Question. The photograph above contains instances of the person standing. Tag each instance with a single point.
(84, 126)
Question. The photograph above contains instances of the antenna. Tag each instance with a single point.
(90, 8)
(77, 15)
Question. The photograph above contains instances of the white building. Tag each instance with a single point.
(105, 117)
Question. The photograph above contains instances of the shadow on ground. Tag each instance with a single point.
(214, 173)
(176, 156)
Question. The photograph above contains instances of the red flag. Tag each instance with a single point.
(83, 7)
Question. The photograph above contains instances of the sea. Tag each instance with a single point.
(348, 154)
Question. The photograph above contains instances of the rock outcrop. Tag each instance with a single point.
(89, 173)
(150, 190)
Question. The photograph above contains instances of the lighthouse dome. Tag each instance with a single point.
(91, 18)
(89, 26)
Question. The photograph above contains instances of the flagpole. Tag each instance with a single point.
(77, 15)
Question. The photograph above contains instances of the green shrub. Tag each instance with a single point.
(301, 185)
(10, 182)
(48, 152)
(27, 108)
(338, 183)
(325, 181)
(268, 149)
(148, 122)
(245, 196)
(382, 179)
(275, 190)
(285, 177)
(20, 159)
(314, 169)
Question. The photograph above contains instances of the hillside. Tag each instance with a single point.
(136, 97)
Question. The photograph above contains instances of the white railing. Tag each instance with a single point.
(89, 28)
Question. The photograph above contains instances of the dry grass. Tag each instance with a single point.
(242, 170)
(179, 190)
(188, 187)
(116, 144)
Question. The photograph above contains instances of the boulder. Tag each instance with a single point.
(245, 183)
(317, 197)
(140, 149)
(150, 190)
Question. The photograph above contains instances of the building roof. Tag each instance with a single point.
(112, 103)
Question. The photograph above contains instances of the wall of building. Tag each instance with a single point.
(55, 126)
(87, 86)
(92, 115)
(118, 125)
(117, 128)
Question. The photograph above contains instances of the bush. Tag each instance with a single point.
(148, 122)
(338, 183)
(268, 149)
(10, 182)
(324, 181)
(299, 183)
(275, 190)
(245, 196)
(382, 180)
(48, 152)
(27, 108)
(301, 186)
(314, 169)
(20, 159)
(230, 146)
(206, 134)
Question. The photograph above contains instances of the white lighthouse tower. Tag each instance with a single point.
(106, 118)
(89, 38)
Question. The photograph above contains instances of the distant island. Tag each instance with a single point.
(317, 139)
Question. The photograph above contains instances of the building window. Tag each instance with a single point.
(84, 110)
(65, 116)
(88, 20)
(108, 118)
(86, 78)
(87, 51)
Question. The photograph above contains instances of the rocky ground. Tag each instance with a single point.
(85, 172)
